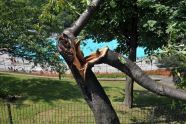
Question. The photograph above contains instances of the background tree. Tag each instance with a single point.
(174, 55)
(22, 33)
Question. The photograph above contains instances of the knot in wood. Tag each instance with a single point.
(66, 47)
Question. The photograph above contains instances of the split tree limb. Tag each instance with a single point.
(92, 91)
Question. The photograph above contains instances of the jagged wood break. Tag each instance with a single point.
(71, 49)
(91, 89)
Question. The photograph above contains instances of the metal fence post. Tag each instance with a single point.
(9, 113)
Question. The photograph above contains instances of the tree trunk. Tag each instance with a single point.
(128, 101)
(59, 75)
(96, 98)
(132, 44)
(92, 91)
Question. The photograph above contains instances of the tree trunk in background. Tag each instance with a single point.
(59, 75)
(133, 43)
(128, 101)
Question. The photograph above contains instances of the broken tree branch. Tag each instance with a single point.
(134, 71)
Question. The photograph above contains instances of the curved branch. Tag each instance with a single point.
(134, 71)
(84, 17)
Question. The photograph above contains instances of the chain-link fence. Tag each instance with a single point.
(16, 64)
(81, 114)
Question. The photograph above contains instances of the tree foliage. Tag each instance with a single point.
(173, 56)
(156, 19)
(22, 33)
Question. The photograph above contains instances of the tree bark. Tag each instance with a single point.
(96, 98)
(81, 22)
(91, 89)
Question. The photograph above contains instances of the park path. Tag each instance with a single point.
(166, 80)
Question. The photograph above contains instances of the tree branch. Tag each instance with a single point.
(84, 17)
(134, 71)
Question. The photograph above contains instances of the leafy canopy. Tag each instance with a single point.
(22, 33)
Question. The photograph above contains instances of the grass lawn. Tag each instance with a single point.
(33, 89)
(51, 98)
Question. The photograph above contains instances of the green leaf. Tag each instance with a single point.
(122, 59)
(113, 4)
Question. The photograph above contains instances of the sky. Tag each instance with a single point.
(88, 46)
(92, 47)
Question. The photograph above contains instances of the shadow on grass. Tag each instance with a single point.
(145, 98)
(38, 89)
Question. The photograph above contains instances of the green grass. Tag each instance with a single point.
(33, 89)
(48, 99)
(113, 75)
(39, 89)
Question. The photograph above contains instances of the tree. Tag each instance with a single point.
(22, 33)
(132, 23)
(174, 54)
(80, 66)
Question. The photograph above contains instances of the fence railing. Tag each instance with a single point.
(81, 114)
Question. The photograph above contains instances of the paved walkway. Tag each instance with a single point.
(162, 79)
